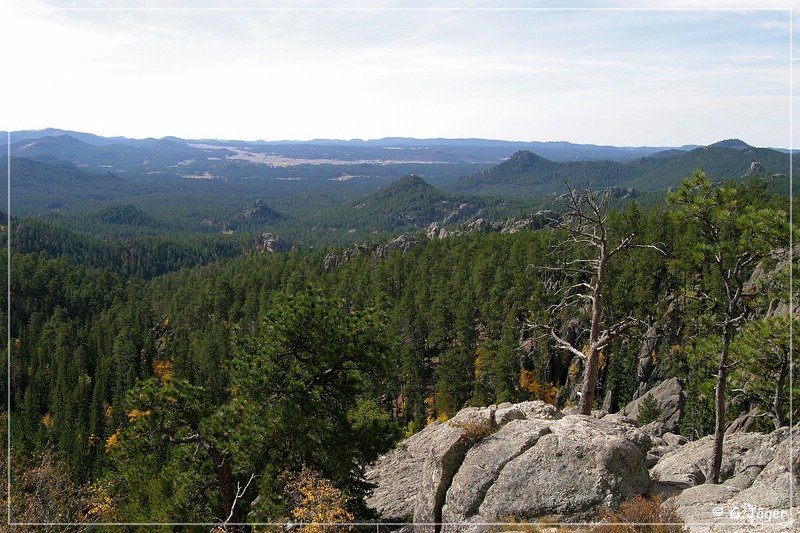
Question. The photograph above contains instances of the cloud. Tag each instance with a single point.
(626, 77)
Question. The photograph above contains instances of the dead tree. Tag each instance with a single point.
(586, 223)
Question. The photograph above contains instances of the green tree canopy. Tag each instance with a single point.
(302, 394)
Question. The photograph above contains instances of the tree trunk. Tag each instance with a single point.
(225, 485)
(777, 401)
(719, 404)
(589, 383)
(227, 490)
(590, 377)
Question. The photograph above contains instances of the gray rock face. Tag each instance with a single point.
(334, 260)
(397, 475)
(460, 213)
(401, 243)
(646, 365)
(765, 278)
(435, 229)
(743, 454)
(744, 422)
(443, 460)
(382, 251)
(551, 218)
(580, 464)
(755, 491)
(484, 462)
(755, 168)
(525, 460)
(529, 461)
(526, 410)
(270, 243)
(670, 398)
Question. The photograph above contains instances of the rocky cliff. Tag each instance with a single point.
(521, 461)
(527, 462)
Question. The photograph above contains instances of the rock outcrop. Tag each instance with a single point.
(381, 251)
(771, 277)
(270, 243)
(527, 461)
(524, 461)
(744, 422)
(579, 464)
(436, 229)
(401, 243)
(670, 398)
(755, 168)
(757, 475)
(647, 363)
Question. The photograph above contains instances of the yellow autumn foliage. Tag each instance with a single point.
(162, 369)
(318, 503)
(136, 413)
(112, 441)
(573, 372)
(528, 382)
(100, 509)
(430, 409)
(539, 391)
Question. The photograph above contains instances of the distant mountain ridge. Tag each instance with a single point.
(444, 149)
(338, 192)
(89, 138)
(528, 173)
(127, 155)
(99, 140)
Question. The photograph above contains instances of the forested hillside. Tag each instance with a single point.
(528, 173)
(161, 376)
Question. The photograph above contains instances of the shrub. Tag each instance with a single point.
(539, 391)
(318, 504)
(641, 515)
(411, 428)
(474, 431)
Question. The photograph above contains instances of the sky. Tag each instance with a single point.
(625, 75)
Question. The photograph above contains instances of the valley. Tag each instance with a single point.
(306, 318)
(321, 186)
(402, 267)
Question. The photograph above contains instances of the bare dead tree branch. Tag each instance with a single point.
(566, 345)
(239, 493)
(586, 224)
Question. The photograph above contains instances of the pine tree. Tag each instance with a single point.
(735, 237)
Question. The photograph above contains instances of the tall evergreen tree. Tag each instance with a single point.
(735, 238)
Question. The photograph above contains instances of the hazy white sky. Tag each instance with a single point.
(369, 70)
